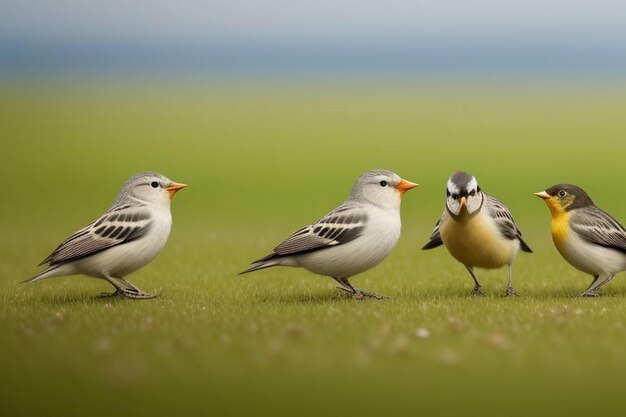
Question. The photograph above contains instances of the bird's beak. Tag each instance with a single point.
(174, 187)
(543, 195)
(462, 202)
(405, 186)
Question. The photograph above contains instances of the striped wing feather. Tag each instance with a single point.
(504, 220)
(598, 227)
(117, 226)
(435, 238)
(336, 228)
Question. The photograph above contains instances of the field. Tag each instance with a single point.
(262, 159)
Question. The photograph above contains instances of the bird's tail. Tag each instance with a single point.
(524, 247)
(47, 273)
(258, 265)
(263, 263)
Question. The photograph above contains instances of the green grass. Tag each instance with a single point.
(261, 161)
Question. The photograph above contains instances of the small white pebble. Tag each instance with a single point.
(422, 333)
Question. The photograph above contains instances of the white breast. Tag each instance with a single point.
(124, 259)
(379, 238)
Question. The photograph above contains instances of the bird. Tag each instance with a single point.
(352, 238)
(477, 229)
(589, 238)
(125, 238)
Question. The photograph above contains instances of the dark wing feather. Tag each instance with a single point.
(114, 228)
(598, 227)
(504, 220)
(435, 237)
(338, 227)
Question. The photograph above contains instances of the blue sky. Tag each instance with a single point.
(585, 32)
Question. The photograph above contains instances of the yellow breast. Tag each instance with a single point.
(560, 223)
(475, 241)
(560, 229)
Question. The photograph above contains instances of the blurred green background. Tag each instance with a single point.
(263, 157)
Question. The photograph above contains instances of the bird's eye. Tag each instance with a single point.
(455, 196)
(562, 193)
(472, 193)
(383, 183)
(154, 184)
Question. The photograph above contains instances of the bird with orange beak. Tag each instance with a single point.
(352, 238)
(125, 238)
(589, 238)
(477, 229)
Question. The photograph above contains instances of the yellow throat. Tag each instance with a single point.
(560, 223)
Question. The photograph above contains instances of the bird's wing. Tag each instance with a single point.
(504, 221)
(598, 227)
(435, 237)
(121, 224)
(338, 227)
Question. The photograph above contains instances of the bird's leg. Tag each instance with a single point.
(357, 293)
(594, 289)
(509, 290)
(477, 286)
(134, 292)
(588, 292)
(118, 289)
(343, 287)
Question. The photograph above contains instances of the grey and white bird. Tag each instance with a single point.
(125, 238)
(585, 235)
(477, 229)
(352, 238)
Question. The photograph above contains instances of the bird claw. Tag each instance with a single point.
(128, 293)
(360, 295)
(109, 294)
(477, 292)
(510, 292)
(373, 295)
(591, 294)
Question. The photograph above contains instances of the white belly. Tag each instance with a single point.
(475, 241)
(126, 258)
(593, 259)
(379, 238)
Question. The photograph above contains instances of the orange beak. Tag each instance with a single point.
(543, 195)
(174, 187)
(405, 186)
(462, 202)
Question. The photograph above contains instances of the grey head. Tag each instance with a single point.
(381, 188)
(570, 196)
(148, 187)
(463, 192)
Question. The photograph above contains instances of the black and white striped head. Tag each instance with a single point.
(463, 192)
(380, 187)
(149, 187)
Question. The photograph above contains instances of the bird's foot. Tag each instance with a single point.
(109, 294)
(591, 294)
(510, 292)
(128, 293)
(477, 292)
(359, 295)
(137, 294)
